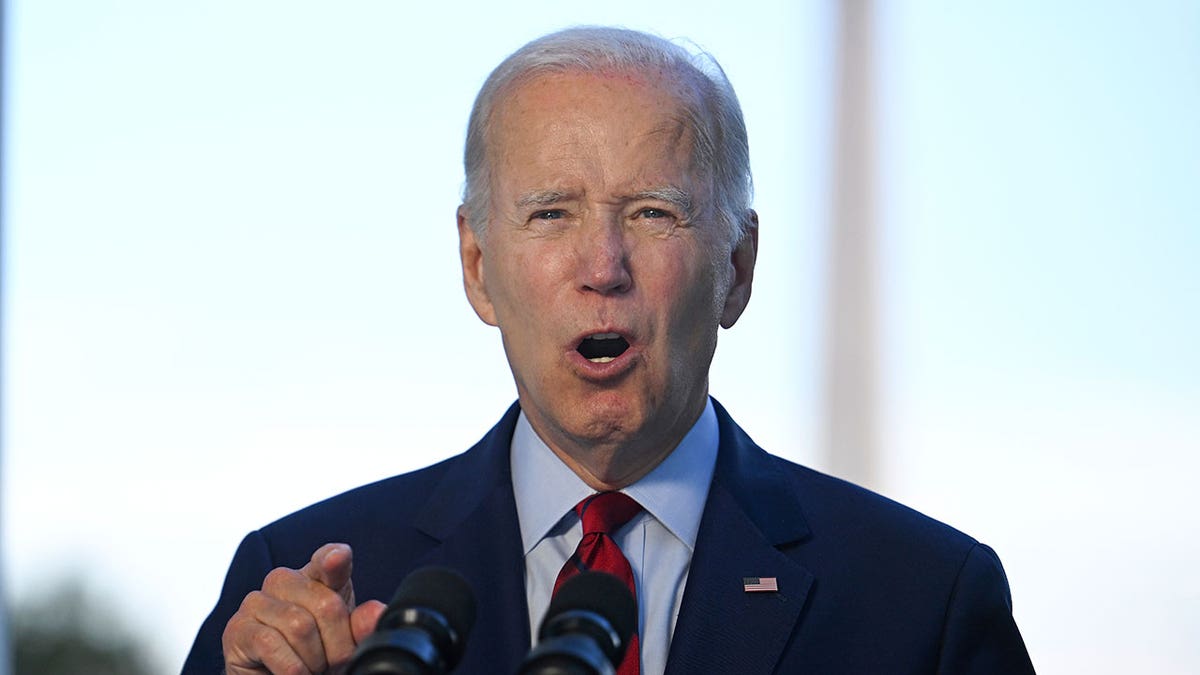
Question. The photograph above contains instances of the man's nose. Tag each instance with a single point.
(604, 259)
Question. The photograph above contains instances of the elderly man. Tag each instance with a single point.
(607, 232)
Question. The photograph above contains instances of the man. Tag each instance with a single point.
(607, 232)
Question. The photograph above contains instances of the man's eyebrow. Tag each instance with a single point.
(541, 198)
(681, 198)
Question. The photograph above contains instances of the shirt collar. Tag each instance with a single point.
(674, 492)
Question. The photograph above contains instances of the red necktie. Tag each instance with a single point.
(603, 514)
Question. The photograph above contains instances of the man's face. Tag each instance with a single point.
(603, 264)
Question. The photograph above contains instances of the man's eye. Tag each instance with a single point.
(653, 213)
(552, 214)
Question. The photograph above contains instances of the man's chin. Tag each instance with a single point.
(601, 421)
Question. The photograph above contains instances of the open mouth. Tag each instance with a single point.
(602, 347)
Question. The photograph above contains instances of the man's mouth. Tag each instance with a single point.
(602, 347)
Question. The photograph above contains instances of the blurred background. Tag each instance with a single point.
(231, 286)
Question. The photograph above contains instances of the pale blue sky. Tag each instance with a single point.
(232, 287)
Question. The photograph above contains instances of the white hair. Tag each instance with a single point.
(721, 150)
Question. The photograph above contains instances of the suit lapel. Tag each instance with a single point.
(751, 513)
(473, 515)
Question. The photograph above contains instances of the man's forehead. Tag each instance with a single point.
(657, 84)
(580, 102)
(549, 134)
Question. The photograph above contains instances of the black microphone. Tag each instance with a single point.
(586, 629)
(424, 629)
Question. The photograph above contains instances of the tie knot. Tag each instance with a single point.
(606, 512)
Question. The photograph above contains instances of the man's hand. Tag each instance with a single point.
(302, 622)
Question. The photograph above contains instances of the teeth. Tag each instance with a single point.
(604, 336)
(601, 359)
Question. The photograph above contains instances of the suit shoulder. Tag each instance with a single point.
(387, 515)
(359, 514)
(843, 511)
(833, 513)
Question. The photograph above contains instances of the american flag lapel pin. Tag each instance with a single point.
(760, 584)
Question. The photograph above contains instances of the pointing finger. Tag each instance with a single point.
(331, 566)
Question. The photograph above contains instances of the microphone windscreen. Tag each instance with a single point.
(597, 592)
(439, 589)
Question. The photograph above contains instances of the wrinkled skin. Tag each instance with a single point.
(600, 224)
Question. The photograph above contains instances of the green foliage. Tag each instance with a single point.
(67, 632)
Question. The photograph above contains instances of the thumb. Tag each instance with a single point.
(364, 619)
(331, 565)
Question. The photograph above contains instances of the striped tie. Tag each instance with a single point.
(603, 514)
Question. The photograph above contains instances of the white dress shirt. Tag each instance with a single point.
(658, 542)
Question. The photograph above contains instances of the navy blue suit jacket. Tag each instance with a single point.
(865, 585)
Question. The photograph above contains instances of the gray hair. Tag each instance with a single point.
(719, 131)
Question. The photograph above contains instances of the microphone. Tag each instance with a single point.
(424, 629)
(586, 629)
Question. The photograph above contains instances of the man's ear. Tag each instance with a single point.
(471, 254)
(743, 256)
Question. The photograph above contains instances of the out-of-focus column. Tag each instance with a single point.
(851, 364)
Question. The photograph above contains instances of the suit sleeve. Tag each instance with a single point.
(979, 636)
(250, 566)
